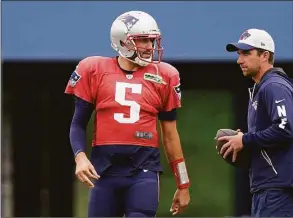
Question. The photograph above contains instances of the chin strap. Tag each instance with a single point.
(180, 172)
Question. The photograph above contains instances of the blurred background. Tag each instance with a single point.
(42, 42)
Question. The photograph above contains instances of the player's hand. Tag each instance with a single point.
(85, 171)
(233, 145)
(180, 201)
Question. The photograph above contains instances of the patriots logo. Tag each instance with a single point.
(254, 105)
(74, 78)
(178, 91)
(245, 35)
(129, 21)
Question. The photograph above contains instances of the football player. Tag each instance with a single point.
(128, 94)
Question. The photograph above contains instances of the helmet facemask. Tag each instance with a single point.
(156, 52)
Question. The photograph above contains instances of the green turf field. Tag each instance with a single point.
(202, 113)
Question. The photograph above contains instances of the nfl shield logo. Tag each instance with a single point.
(129, 76)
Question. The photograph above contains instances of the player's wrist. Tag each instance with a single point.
(80, 155)
(179, 170)
(183, 190)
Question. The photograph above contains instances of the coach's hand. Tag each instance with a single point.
(233, 145)
(85, 171)
(180, 201)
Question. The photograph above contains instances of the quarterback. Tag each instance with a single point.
(129, 95)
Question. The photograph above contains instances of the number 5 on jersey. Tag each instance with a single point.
(120, 95)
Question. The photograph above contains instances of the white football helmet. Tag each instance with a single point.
(132, 25)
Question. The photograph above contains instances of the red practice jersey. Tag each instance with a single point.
(126, 105)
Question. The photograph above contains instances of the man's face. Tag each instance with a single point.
(144, 46)
(249, 62)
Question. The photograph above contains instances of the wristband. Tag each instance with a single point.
(180, 172)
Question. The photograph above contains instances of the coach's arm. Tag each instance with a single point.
(279, 103)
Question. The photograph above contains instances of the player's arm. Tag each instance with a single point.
(170, 136)
(84, 169)
(82, 85)
(173, 150)
(171, 140)
(279, 102)
(81, 117)
(174, 154)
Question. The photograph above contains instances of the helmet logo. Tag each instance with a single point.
(129, 21)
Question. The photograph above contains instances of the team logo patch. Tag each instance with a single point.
(254, 105)
(178, 91)
(129, 21)
(74, 78)
(154, 78)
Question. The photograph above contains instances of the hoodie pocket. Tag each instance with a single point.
(268, 160)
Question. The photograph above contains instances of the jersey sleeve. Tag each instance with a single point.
(279, 104)
(82, 82)
(173, 92)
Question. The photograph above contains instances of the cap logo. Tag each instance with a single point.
(245, 35)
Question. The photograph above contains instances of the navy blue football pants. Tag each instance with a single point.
(117, 196)
(272, 203)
